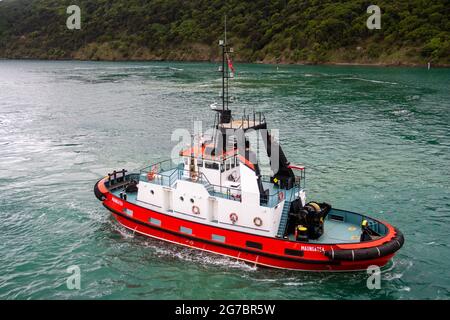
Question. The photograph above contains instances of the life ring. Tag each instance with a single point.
(234, 217)
(150, 175)
(280, 196)
(258, 222)
(195, 210)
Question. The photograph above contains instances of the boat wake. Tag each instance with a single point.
(370, 80)
(389, 275)
(162, 249)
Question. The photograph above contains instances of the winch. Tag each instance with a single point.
(307, 222)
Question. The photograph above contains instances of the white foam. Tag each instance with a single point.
(370, 80)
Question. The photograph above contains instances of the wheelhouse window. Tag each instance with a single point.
(211, 165)
(228, 165)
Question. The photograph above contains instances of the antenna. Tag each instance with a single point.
(225, 113)
(225, 29)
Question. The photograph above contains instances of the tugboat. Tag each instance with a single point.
(217, 200)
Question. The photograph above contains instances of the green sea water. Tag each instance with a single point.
(374, 140)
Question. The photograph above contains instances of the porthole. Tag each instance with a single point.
(152, 192)
(192, 200)
(181, 198)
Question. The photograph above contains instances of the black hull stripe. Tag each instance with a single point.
(260, 253)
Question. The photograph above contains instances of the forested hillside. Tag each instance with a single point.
(285, 31)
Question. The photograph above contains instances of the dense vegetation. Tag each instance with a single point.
(287, 31)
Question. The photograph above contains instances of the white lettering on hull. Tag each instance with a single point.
(118, 202)
(312, 249)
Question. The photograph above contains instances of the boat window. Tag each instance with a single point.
(186, 161)
(200, 163)
(292, 252)
(228, 165)
(218, 238)
(211, 165)
(237, 162)
(185, 230)
(181, 198)
(233, 161)
(152, 192)
(155, 221)
(255, 245)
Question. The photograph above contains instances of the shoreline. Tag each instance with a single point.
(300, 63)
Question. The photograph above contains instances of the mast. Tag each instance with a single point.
(225, 113)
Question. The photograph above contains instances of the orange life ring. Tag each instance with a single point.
(150, 175)
(234, 217)
(280, 196)
(258, 222)
(195, 210)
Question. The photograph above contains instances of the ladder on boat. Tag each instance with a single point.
(284, 219)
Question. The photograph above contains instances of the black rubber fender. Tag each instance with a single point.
(385, 249)
(98, 194)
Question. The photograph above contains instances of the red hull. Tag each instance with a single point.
(273, 251)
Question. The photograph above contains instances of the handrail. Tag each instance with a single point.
(158, 165)
(174, 173)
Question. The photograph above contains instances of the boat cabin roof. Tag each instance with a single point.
(208, 152)
(204, 153)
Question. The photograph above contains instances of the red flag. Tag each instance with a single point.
(230, 63)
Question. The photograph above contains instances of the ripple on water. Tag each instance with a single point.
(373, 140)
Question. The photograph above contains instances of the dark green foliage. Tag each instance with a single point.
(414, 31)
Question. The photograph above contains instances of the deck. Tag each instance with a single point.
(337, 232)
